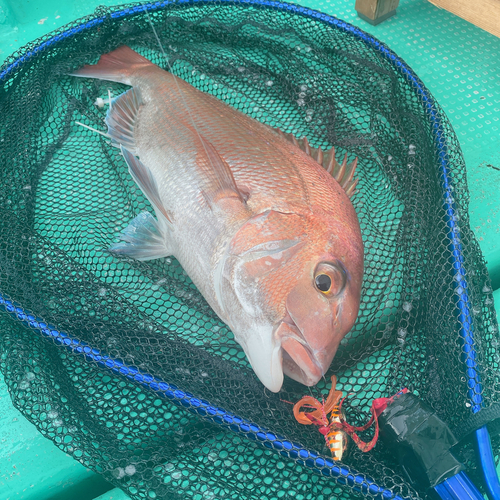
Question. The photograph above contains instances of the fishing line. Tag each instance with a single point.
(104, 134)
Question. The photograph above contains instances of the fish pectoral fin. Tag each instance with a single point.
(342, 173)
(217, 182)
(146, 181)
(143, 239)
(121, 119)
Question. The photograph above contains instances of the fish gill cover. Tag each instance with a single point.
(66, 194)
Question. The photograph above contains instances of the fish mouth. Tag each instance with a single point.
(299, 360)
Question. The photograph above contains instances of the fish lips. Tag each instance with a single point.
(299, 361)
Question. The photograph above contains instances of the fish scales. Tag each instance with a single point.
(269, 238)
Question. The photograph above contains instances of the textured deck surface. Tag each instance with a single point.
(458, 62)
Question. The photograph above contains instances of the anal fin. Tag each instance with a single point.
(143, 239)
(343, 173)
(121, 119)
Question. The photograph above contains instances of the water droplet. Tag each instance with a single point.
(118, 473)
(486, 289)
(24, 385)
(202, 76)
(300, 102)
(411, 149)
(212, 456)
(176, 474)
(29, 376)
(389, 158)
(102, 292)
(269, 83)
(27, 187)
(58, 422)
(169, 467)
(209, 495)
(52, 414)
(130, 470)
(204, 374)
(476, 310)
(407, 306)
(402, 333)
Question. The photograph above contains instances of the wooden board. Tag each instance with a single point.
(483, 13)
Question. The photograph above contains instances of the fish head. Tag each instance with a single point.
(319, 311)
(298, 278)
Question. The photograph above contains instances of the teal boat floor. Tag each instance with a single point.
(457, 61)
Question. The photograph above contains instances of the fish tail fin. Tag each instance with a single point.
(116, 66)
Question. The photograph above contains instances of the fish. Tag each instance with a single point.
(260, 221)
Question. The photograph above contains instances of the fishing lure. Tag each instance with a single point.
(335, 429)
(336, 439)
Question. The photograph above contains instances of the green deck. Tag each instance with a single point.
(458, 62)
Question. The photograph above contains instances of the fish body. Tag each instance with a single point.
(266, 234)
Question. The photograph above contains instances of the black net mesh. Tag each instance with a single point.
(66, 194)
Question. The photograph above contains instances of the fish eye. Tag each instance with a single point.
(323, 282)
(330, 278)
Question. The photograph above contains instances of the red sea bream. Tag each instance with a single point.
(268, 236)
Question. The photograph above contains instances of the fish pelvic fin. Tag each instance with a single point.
(143, 239)
(145, 179)
(121, 119)
(343, 173)
(116, 66)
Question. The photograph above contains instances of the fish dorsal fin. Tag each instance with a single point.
(217, 181)
(121, 119)
(342, 173)
(146, 181)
